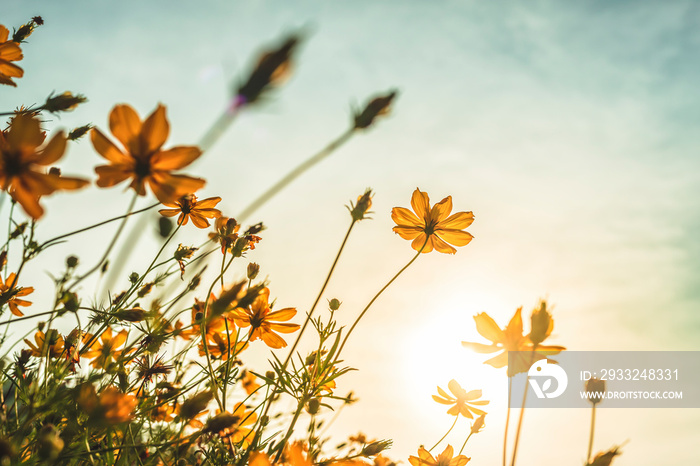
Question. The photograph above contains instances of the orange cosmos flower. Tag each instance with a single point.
(221, 346)
(110, 407)
(20, 159)
(239, 430)
(445, 458)
(509, 339)
(9, 52)
(142, 159)
(103, 354)
(9, 293)
(226, 232)
(463, 401)
(52, 348)
(264, 323)
(248, 381)
(432, 227)
(190, 208)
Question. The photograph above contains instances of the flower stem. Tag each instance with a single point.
(505, 434)
(308, 317)
(590, 440)
(446, 434)
(110, 246)
(294, 174)
(364, 311)
(522, 410)
(465, 443)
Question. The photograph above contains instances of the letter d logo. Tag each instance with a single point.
(542, 370)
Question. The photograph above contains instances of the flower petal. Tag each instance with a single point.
(404, 217)
(421, 204)
(488, 328)
(408, 233)
(175, 158)
(125, 124)
(53, 151)
(441, 210)
(455, 237)
(154, 131)
(458, 221)
(106, 148)
(480, 348)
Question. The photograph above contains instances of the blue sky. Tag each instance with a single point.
(569, 129)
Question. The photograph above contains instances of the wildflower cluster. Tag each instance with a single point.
(157, 371)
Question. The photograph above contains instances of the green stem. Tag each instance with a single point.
(446, 434)
(465, 443)
(109, 247)
(294, 174)
(364, 311)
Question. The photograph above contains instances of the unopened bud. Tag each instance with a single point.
(334, 304)
(361, 209)
(195, 405)
(49, 443)
(594, 390)
(253, 270)
(63, 102)
(221, 421)
(79, 132)
(71, 262)
(542, 324)
(375, 107)
(375, 448)
(313, 406)
(478, 424)
(135, 314)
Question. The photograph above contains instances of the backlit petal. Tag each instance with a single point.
(175, 158)
(488, 328)
(125, 124)
(408, 232)
(403, 216)
(442, 209)
(421, 204)
(458, 221)
(455, 237)
(154, 131)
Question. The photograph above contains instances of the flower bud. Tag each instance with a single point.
(49, 443)
(195, 405)
(375, 448)
(594, 389)
(79, 132)
(334, 304)
(272, 68)
(375, 107)
(135, 314)
(165, 227)
(542, 324)
(72, 262)
(313, 406)
(478, 424)
(63, 102)
(253, 270)
(361, 209)
(270, 375)
(221, 421)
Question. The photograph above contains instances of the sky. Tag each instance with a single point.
(569, 129)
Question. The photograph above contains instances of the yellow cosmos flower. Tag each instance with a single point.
(21, 161)
(9, 293)
(264, 323)
(106, 351)
(142, 160)
(509, 339)
(445, 458)
(463, 401)
(190, 208)
(432, 227)
(52, 348)
(9, 52)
